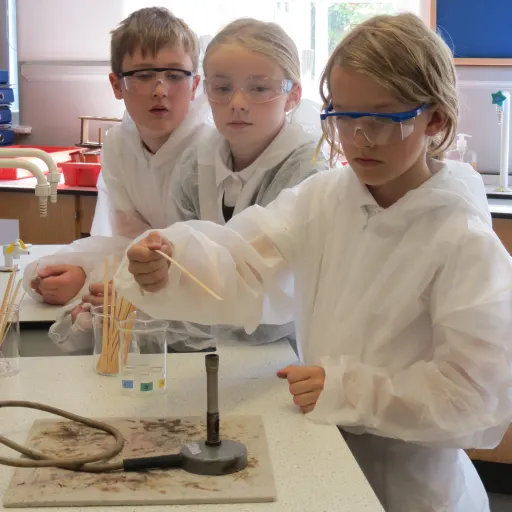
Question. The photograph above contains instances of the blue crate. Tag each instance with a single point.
(6, 95)
(6, 137)
(5, 115)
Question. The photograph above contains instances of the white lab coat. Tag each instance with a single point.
(134, 186)
(408, 309)
(198, 191)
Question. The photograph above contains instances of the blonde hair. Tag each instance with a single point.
(407, 58)
(150, 30)
(268, 39)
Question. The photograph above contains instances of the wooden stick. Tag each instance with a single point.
(4, 331)
(102, 365)
(6, 303)
(187, 273)
(8, 289)
(127, 336)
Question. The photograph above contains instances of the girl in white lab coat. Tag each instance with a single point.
(400, 290)
(252, 81)
(252, 71)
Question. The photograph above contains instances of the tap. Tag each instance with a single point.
(46, 185)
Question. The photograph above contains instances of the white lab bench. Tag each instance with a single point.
(313, 467)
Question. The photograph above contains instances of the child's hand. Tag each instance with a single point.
(150, 269)
(79, 309)
(58, 284)
(96, 294)
(306, 384)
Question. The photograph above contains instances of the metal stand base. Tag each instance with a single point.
(201, 459)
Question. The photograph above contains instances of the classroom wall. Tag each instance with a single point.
(60, 81)
(4, 41)
(63, 68)
(478, 116)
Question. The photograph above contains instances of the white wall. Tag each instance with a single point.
(64, 65)
(478, 115)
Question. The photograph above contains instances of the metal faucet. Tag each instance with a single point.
(46, 185)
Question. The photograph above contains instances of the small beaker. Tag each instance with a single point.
(106, 341)
(142, 356)
(9, 341)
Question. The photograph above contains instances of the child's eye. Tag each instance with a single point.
(145, 76)
(175, 76)
(260, 88)
(222, 88)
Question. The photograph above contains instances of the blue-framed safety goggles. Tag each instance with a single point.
(377, 128)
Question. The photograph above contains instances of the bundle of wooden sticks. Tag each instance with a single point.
(115, 309)
(8, 305)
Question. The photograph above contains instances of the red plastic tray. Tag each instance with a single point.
(58, 153)
(80, 174)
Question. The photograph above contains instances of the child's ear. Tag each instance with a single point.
(115, 82)
(437, 122)
(195, 85)
(294, 97)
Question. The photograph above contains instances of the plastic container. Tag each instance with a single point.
(58, 153)
(6, 95)
(461, 153)
(80, 174)
(5, 115)
(6, 136)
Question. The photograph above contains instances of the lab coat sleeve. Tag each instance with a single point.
(462, 396)
(248, 263)
(72, 337)
(88, 253)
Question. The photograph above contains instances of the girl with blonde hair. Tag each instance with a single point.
(252, 81)
(400, 290)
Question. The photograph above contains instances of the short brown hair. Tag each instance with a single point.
(150, 30)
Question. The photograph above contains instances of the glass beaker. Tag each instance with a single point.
(9, 342)
(106, 341)
(142, 356)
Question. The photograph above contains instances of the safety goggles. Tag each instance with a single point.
(256, 90)
(377, 128)
(145, 81)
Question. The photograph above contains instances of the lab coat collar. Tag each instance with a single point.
(177, 141)
(286, 141)
(223, 162)
(452, 183)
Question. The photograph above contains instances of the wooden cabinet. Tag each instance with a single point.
(503, 452)
(68, 219)
(503, 228)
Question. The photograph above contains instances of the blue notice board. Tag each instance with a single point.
(477, 29)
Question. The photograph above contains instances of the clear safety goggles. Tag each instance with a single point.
(256, 90)
(145, 81)
(378, 129)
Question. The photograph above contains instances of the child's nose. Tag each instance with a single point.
(360, 138)
(160, 89)
(239, 100)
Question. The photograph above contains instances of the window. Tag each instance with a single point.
(316, 26)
